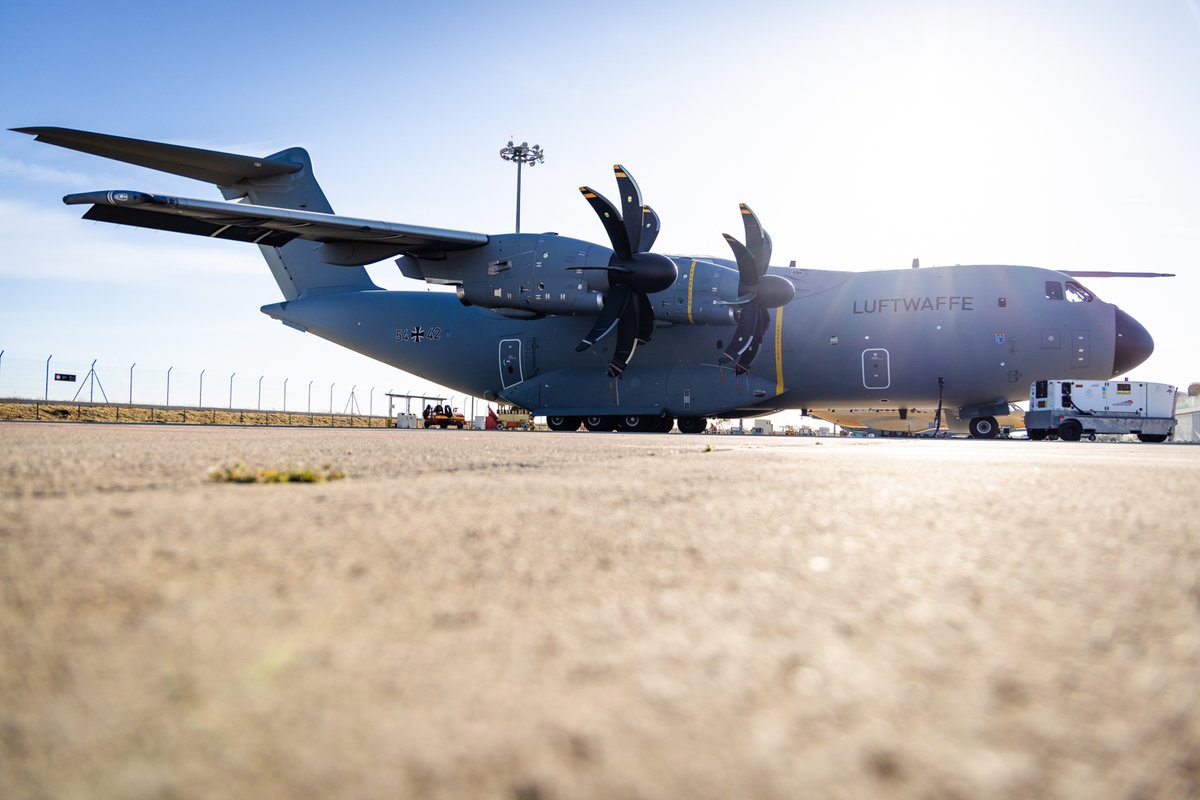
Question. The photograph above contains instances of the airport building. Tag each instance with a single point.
(1187, 429)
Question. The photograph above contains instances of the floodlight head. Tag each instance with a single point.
(522, 153)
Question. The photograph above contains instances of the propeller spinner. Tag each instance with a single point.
(757, 291)
(633, 271)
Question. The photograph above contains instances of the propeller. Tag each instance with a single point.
(633, 271)
(757, 291)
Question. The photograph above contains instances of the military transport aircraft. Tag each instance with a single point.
(614, 336)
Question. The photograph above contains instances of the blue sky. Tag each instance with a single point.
(864, 134)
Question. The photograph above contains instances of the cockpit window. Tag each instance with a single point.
(1077, 294)
(1054, 290)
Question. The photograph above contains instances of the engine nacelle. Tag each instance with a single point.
(534, 274)
(692, 300)
(568, 294)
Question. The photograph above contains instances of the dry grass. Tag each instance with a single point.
(100, 412)
(242, 473)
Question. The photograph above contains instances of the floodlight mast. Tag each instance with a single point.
(522, 154)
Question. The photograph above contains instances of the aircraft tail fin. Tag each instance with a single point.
(281, 180)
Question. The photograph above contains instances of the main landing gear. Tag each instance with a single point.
(984, 428)
(633, 423)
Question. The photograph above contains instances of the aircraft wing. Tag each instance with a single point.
(348, 241)
(1085, 274)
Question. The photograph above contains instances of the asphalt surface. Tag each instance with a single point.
(548, 615)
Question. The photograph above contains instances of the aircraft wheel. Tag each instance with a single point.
(984, 428)
(691, 424)
(563, 423)
(459, 425)
(1070, 431)
(1152, 437)
(600, 424)
(1037, 434)
(636, 424)
(666, 424)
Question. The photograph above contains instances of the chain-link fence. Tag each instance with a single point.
(170, 394)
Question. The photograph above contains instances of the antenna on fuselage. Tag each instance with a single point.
(916, 263)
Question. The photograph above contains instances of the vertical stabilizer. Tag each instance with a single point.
(295, 265)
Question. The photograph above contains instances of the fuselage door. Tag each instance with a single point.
(512, 369)
(876, 369)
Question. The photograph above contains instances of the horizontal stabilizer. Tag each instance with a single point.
(347, 241)
(211, 166)
(139, 218)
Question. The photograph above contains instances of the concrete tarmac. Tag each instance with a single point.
(549, 615)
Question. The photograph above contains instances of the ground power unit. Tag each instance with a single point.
(1070, 410)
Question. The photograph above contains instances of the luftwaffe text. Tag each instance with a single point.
(892, 305)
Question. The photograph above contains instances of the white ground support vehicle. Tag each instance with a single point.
(1070, 410)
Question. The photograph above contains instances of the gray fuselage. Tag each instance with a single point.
(972, 336)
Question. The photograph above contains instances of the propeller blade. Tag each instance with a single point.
(645, 327)
(627, 340)
(631, 207)
(761, 324)
(748, 273)
(738, 301)
(650, 227)
(617, 234)
(743, 335)
(618, 268)
(758, 241)
(614, 306)
(633, 271)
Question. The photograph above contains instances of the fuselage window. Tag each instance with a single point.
(1077, 294)
(1054, 290)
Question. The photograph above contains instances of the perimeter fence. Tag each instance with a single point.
(63, 382)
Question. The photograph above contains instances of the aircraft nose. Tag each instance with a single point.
(1133, 345)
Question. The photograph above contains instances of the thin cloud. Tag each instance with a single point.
(11, 168)
(51, 244)
(1194, 7)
